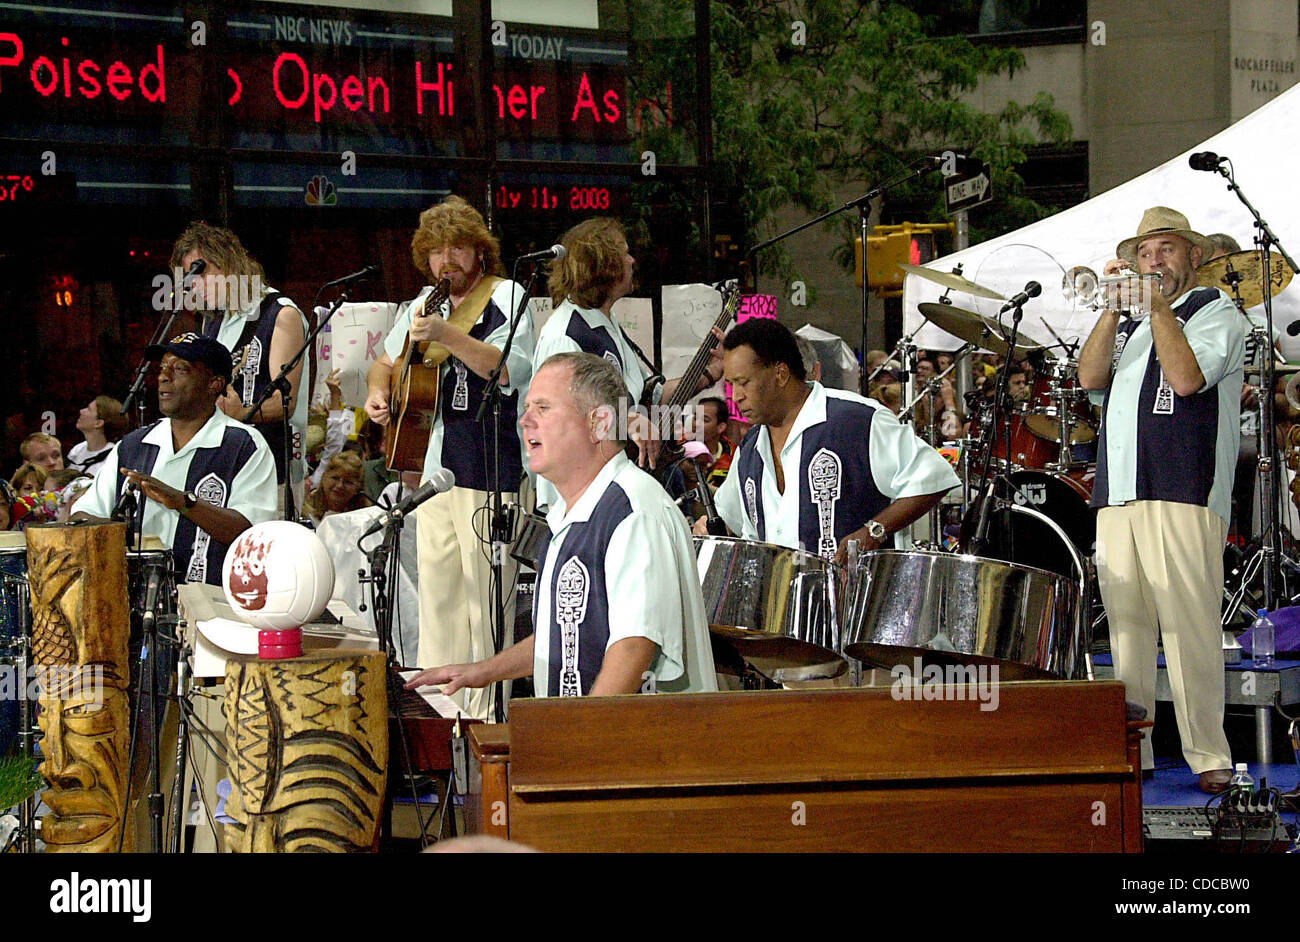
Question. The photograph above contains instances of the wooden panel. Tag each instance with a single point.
(785, 737)
(1057, 817)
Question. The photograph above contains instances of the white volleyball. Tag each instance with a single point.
(277, 575)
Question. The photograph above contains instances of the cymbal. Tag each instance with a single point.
(972, 328)
(955, 282)
(1249, 266)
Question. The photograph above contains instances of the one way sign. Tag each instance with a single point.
(964, 190)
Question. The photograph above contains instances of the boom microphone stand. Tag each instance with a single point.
(501, 529)
(281, 384)
(1271, 539)
(863, 205)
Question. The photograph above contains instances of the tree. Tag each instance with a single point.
(812, 98)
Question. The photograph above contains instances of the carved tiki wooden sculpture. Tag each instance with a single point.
(80, 628)
(307, 746)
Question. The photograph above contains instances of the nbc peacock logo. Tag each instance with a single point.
(320, 192)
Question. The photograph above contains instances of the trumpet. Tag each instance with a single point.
(1082, 286)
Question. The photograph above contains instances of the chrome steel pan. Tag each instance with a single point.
(949, 608)
(777, 607)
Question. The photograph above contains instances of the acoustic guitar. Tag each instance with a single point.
(413, 394)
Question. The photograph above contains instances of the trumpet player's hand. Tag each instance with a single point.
(1249, 396)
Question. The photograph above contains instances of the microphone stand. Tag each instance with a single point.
(135, 395)
(384, 562)
(863, 205)
(281, 384)
(987, 486)
(500, 530)
(1271, 539)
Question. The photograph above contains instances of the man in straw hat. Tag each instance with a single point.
(1168, 376)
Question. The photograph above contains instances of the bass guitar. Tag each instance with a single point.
(688, 387)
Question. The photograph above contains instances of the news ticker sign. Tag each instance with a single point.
(83, 76)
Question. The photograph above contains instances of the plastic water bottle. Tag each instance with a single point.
(1262, 636)
(1241, 779)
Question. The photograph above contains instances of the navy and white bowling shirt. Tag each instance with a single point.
(1158, 445)
(573, 329)
(847, 459)
(458, 442)
(227, 463)
(620, 564)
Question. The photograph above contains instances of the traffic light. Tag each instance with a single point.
(891, 246)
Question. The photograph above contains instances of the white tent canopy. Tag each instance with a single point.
(1087, 234)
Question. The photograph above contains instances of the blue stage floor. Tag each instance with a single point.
(1174, 785)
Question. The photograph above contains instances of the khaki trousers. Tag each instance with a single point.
(456, 607)
(1160, 570)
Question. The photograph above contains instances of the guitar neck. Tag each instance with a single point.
(695, 370)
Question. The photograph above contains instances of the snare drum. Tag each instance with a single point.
(777, 607)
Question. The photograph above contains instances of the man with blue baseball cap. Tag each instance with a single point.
(206, 478)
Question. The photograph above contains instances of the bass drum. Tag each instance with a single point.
(1019, 538)
(776, 607)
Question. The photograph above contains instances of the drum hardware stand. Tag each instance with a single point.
(382, 579)
(20, 589)
(988, 482)
(175, 843)
(281, 384)
(149, 668)
(501, 531)
(933, 387)
(1271, 538)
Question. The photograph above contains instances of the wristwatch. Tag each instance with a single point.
(190, 499)
(876, 530)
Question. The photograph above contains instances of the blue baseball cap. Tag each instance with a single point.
(196, 349)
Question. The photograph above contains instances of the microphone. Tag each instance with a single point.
(125, 504)
(1206, 160)
(150, 616)
(555, 251)
(712, 522)
(366, 272)
(197, 267)
(1293, 329)
(960, 162)
(442, 480)
(1032, 290)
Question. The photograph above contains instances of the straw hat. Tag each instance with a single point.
(1163, 220)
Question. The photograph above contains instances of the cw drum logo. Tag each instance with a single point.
(1027, 494)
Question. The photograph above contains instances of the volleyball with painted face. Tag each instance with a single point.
(278, 575)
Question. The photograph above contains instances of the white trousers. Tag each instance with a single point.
(1160, 570)
(456, 606)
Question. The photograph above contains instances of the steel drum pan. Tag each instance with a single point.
(795, 616)
(778, 608)
(947, 608)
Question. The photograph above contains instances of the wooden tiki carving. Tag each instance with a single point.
(307, 747)
(81, 625)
